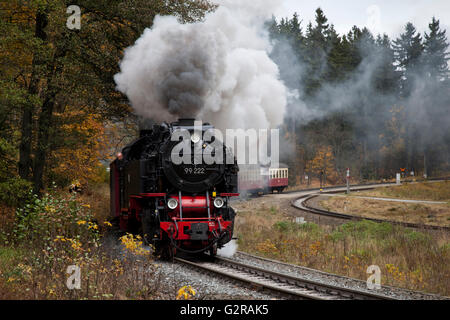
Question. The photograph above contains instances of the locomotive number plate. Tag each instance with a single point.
(191, 170)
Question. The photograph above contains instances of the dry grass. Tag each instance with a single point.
(421, 213)
(433, 191)
(35, 254)
(410, 259)
(98, 200)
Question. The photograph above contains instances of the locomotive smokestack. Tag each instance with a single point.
(186, 121)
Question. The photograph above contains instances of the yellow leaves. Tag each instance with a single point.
(186, 292)
(50, 209)
(395, 272)
(92, 226)
(267, 247)
(323, 160)
(74, 243)
(59, 238)
(86, 144)
(315, 248)
(134, 244)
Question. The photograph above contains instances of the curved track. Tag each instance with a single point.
(302, 204)
(280, 284)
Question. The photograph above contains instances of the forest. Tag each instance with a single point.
(61, 118)
(359, 101)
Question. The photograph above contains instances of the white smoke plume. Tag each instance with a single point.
(228, 250)
(217, 70)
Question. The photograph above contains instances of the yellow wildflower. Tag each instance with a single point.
(186, 292)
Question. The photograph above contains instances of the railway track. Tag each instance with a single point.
(281, 285)
(301, 203)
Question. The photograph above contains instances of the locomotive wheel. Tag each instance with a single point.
(213, 250)
(164, 250)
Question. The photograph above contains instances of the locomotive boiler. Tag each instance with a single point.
(175, 206)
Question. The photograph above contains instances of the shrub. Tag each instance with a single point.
(366, 229)
(14, 191)
(43, 219)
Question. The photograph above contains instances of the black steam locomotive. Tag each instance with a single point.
(183, 206)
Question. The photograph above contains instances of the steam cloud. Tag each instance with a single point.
(217, 70)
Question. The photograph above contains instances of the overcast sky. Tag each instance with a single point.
(380, 16)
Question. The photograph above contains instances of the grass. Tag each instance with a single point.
(38, 243)
(407, 258)
(421, 213)
(430, 214)
(433, 191)
(97, 198)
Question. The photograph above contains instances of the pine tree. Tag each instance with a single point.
(408, 50)
(317, 45)
(436, 56)
(338, 62)
(295, 32)
(386, 77)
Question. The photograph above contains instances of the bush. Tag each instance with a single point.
(364, 229)
(48, 217)
(14, 191)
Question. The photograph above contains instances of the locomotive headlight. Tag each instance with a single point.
(218, 202)
(195, 138)
(172, 203)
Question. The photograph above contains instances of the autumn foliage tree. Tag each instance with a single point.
(50, 73)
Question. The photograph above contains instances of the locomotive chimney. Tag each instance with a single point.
(186, 121)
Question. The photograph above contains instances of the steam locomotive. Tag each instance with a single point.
(176, 207)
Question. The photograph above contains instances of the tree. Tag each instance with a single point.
(317, 45)
(436, 56)
(73, 67)
(338, 60)
(386, 77)
(408, 50)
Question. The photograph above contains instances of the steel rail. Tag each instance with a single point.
(278, 283)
